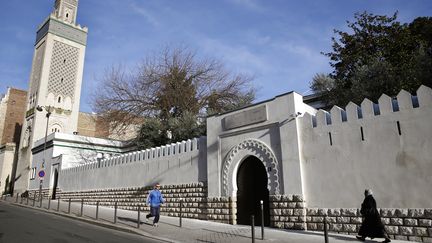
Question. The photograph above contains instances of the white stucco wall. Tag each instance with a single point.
(396, 167)
(178, 163)
(66, 151)
(3, 109)
(276, 128)
(7, 153)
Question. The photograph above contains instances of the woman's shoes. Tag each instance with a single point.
(362, 238)
(359, 237)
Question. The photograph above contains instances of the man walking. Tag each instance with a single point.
(154, 200)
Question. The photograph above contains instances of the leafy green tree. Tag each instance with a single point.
(186, 126)
(151, 133)
(379, 55)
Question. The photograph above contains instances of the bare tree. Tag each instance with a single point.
(168, 84)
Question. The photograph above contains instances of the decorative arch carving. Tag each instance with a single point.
(250, 147)
(56, 125)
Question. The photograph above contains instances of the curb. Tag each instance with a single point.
(98, 223)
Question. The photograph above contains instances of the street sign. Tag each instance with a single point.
(41, 174)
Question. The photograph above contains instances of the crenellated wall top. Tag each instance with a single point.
(404, 101)
(156, 153)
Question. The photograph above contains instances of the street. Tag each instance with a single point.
(19, 224)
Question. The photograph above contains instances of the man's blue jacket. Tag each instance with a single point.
(155, 198)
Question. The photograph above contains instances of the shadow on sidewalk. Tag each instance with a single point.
(340, 237)
(335, 235)
(129, 220)
(229, 233)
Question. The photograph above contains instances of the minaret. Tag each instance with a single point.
(55, 84)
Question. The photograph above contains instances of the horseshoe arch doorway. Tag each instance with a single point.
(252, 188)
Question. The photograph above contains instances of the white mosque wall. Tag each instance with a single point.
(386, 147)
(66, 151)
(178, 163)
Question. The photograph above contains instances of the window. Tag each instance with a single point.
(33, 173)
(59, 99)
(399, 128)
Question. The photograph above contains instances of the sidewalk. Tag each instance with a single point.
(192, 230)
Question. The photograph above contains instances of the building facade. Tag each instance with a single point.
(302, 163)
(12, 109)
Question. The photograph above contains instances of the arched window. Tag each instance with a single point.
(59, 99)
(56, 128)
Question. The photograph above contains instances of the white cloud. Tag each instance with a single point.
(145, 13)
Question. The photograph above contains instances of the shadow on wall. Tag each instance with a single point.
(17, 133)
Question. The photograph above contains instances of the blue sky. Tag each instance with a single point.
(277, 41)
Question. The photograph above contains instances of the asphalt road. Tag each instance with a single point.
(19, 224)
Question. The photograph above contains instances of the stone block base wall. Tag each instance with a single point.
(45, 193)
(193, 198)
(287, 212)
(339, 220)
(219, 210)
(401, 224)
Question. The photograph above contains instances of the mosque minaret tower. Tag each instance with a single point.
(54, 86)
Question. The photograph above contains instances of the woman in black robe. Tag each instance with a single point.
(371, 226)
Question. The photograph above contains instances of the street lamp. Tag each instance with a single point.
(48, 114)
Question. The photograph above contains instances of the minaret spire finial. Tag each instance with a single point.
(66, 10)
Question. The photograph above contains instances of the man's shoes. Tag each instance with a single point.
(386, 240)
(155, 225)
(359, 237)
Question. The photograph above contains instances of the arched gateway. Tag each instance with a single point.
(252, 190)
(250, 174)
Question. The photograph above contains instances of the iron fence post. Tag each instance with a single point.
(253, 228)
(115, 213)
(139, 217)
(97, 210)
(82, 207)
(325, 229)
(69, 205)
(262, 219)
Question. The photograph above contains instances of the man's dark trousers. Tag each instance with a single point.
(154, 212)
